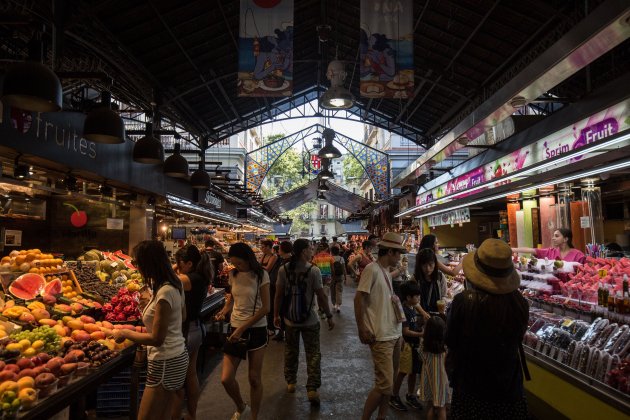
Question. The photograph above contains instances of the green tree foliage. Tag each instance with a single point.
(297, 216)
(352, 168)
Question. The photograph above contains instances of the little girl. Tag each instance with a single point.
(433, 381)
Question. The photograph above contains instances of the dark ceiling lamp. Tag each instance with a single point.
(329, 150)
(200, 179)
(30, 85)
(337, 96)
(148, 149)
(103, 125)
(176, 165)
(21, 171)
(322, 186)
(321, 196)
(325, 172)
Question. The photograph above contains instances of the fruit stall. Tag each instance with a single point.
(578, 341)
(57, 320)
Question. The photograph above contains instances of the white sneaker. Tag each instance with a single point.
(242, 415)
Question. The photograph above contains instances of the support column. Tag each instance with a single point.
(141, 225)
(592, 198)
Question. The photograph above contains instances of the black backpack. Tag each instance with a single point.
(294, 306)
(337, 267)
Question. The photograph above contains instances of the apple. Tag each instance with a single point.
(25, 363)
(44, 379)
(28, 396)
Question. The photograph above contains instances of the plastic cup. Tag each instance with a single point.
(441, 306)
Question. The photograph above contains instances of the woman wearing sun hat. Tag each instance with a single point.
(486, 325)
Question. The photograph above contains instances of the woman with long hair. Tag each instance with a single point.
(164, 341)
(430, 241)
(486, 325)
(431, 280)
(562, 249)
(249, 304)
(195, 272)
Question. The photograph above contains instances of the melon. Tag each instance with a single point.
(27, 286)
(52, 288)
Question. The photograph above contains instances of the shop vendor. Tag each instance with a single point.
(562, 249)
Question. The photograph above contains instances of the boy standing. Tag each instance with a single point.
(409, 357)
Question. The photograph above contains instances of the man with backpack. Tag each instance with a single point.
(299, 282)
(338, 277)
(284, 255)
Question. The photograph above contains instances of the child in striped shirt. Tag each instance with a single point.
(434, 387)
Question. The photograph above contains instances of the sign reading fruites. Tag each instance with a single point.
(78, 218)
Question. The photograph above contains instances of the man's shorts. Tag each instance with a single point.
(386, 356)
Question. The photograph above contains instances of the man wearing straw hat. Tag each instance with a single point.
(486, 325)
(378, 315)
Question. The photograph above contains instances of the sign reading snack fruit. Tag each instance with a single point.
(78, 218)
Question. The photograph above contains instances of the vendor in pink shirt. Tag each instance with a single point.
(562, 248)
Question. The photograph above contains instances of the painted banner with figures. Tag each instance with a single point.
(386, 49)
(265, 59)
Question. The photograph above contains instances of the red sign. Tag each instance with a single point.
(316, 163)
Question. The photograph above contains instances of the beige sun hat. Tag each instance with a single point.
(392, 240)
(490, 268)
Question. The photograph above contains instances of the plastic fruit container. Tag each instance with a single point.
(45, 391)
(64, 380)
(82, 371)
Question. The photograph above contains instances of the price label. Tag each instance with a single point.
(585, 222)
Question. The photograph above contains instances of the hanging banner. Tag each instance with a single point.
(386, 47)
(265, 59)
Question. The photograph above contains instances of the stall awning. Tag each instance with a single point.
(339, 197)
(350, 228)
(282, 229)
(181, 205)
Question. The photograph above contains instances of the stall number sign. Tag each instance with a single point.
(213, 200)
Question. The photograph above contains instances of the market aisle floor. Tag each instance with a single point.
(346, 379)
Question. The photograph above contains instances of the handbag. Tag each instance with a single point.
(239, 349)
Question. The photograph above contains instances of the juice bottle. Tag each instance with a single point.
(619, 304)
(611, 300)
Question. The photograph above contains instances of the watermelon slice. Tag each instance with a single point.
(52, 288)
(27, 286)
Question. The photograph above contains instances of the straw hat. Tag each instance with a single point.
(392, 240)
(490, 268)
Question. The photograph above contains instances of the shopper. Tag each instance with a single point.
(338, 278)
(348, 255)
(249, 304)
(268, 257)
(285, 251)
(216, 259)
(409, 365)
(398, 275)
(324, 261)
(195, 272)
(362, 258)
(300, 271)
(486, 325)
(562, 241)
(431, 280)
(164, 340)
(375, 308)
(434, 387)
(431, 242)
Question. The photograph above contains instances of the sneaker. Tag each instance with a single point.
(396, 404)
(338, 309)
(243, 414)
(412, 400)
(313, 397)
(291, 388)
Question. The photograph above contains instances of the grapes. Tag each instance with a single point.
(51, 339)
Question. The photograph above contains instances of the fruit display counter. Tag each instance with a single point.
(56, 327)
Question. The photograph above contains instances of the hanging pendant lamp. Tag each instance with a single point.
(148, 149)
(32, 86)
(329, 150)
(176, 165)
(322, 186)
(321, 196)
(337, 96)
(325, 172)
(103, 125)
(200, 179)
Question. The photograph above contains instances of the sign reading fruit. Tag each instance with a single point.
(78, 218)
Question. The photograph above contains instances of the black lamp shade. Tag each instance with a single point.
(329, 151)
(103, 125)
(322, 186)
(33, 87)
(200, 179)
(321, 196)
(326, 174)
(176, 165)
(336, 97)
(148, 150)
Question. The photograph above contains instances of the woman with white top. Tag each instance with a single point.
(164, 341)
(249, 304)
